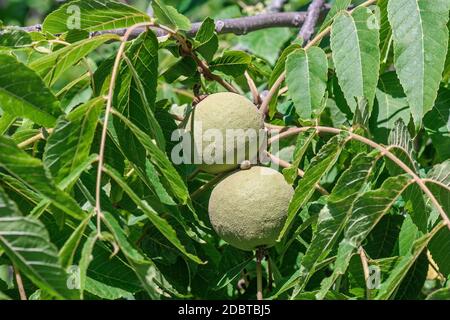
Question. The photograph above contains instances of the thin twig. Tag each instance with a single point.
(20, 287)
(109, 100)
(365, 266)
(434, 266)
(384, 151)
(212, 76)
(253, 89)
(33, 139)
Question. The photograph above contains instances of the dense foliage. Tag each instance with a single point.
(357, 103)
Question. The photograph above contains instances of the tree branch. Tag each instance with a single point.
(310, 23)
(237, 26)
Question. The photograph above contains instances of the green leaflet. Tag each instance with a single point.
(52, 66)
(67, 252)
(160, 160)
(438, 181)
(302, 145)
(206, 39)
(441, 294)
(170, 17)
(437, 125)
(385, 31)
(337, 7)
(232, 63)
(105, 291)
(420, 35)
(306, 78)
(334, 216)
(31, 171)
(14, 38)
(161, 224)
(391, 105)
(151, 279)
(70, 143)
(135, 95)
(33, 101)
(93, 15)
(400, 143)
(356, 55)
(277, 71)
(85, 260)
(320, 165)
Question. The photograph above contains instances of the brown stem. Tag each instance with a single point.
(259, 287)
(253, 89)
(211, 76)
(20, 287)
(33, 139)
(365, 265)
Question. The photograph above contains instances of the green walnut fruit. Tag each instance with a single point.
(248, 208)
(227, 129)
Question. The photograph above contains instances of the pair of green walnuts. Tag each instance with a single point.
(249, 207)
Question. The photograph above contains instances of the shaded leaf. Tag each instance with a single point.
(161, 224)
(335, 215)
(136, 94)
(437, 124)
(26, 242)
(161, 161)
(400, 270)
(31, 171)
(367, 212)
(24, 94)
